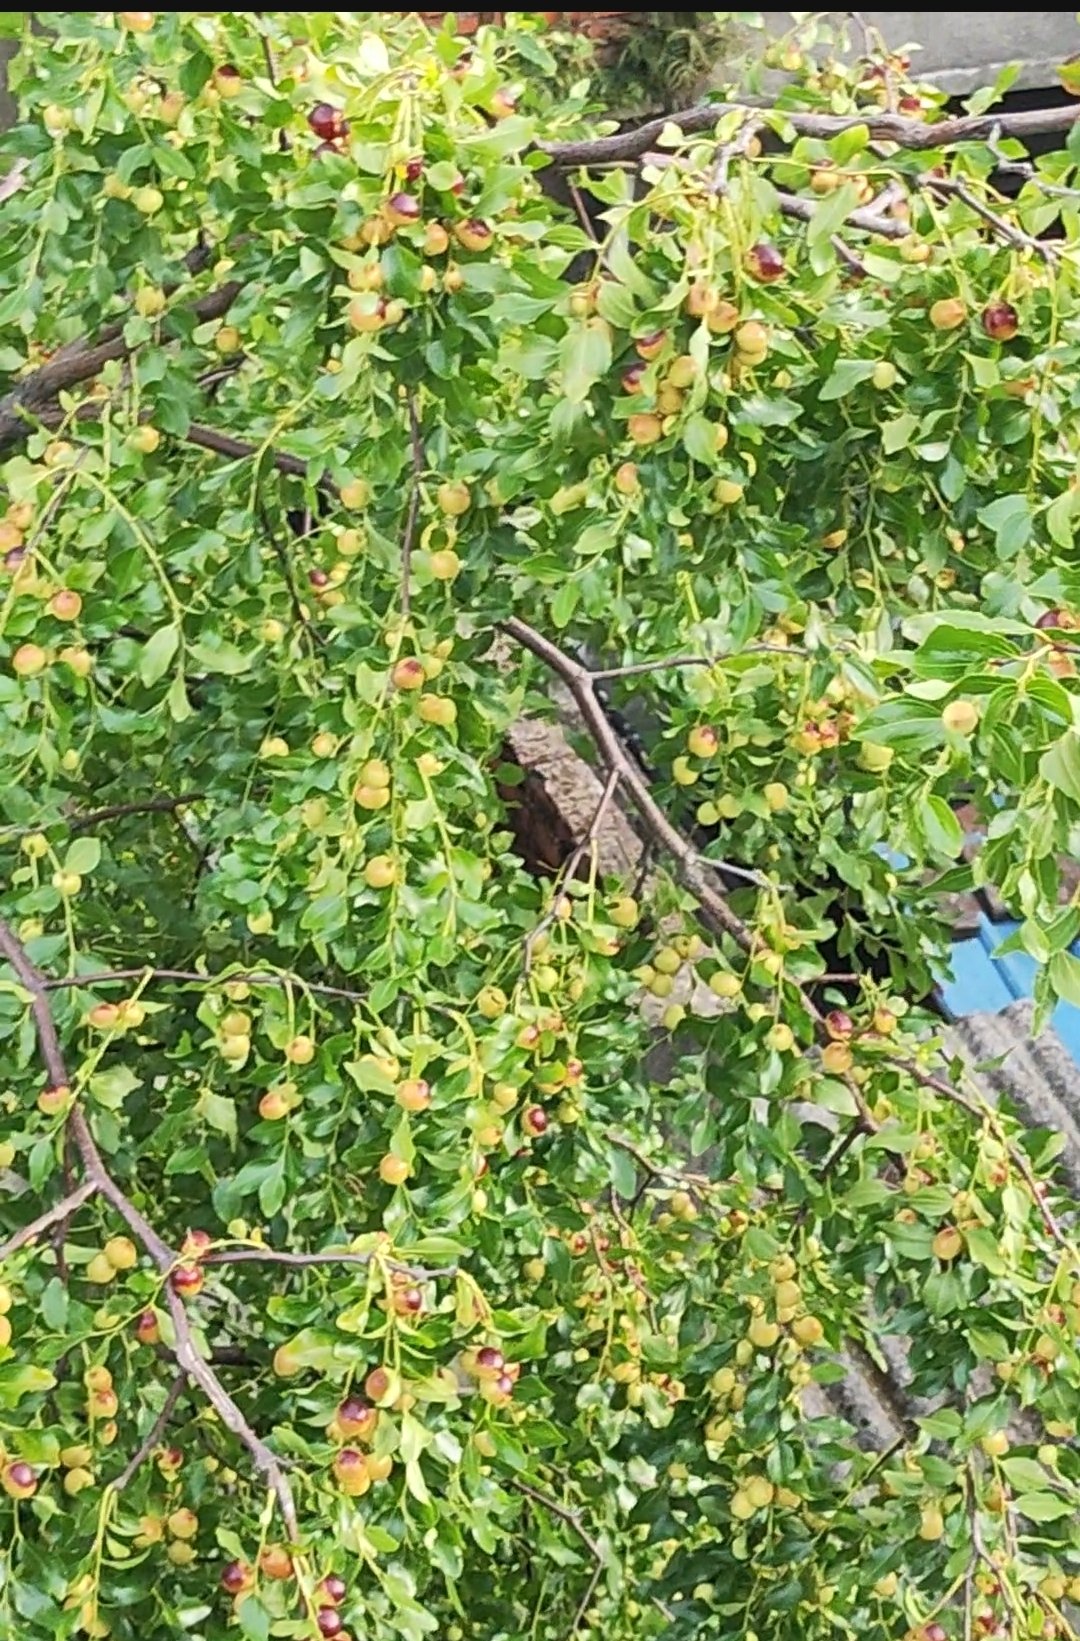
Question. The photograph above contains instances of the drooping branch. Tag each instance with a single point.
(102, 977)
(52, 1216)
(917, 135)
(412, 514)
(329, 1256)
(141, 806)
(153, 1435)
(81, 361)
(97, 1177)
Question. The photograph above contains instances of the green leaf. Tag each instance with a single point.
(272, 1190)
(19, 1379)
(943, 831)
(220, 1112)
(1060, 765)
(54, 1303)
(847, 374)
(254, 1618)
(1044, 1506)
(1009, 517)
(216, 654)
(585, 357)
(1059, 518)
(1064, 971)
(83, 856)
(157, 654)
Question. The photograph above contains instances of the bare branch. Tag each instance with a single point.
(101, 977)
(918, 135)
(863, 216)
(715, 912)
(97, 1175)
(153, 1435)
(142, 806)
(571, 865)
(329, 1256)
(734, 149)
(986, 1113)
(408, 539)
(573, 1521)
(224, 444)
(52, 1216)
(949, 188)
(81, 361)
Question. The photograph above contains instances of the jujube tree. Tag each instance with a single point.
(363, 1272)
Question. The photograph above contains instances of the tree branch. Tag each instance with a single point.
(101, 977)
(949, 188)
(918, 135)
(715, 912)
(142, 806)
(153, 1435)
(571, 865)
(408, 539)
(329, 1256)
(224, 444)
(97, 1175)
(81, 361)
(52, 1216)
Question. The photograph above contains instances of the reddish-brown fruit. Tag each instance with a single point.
(764, 262)
(490, 1359)
(632, 377)
(1000, 321)
(414, 168)
(535, 1120)
(356, 1418)
(318, 578)
(839, 1024)
(19, 1480)
(147, 1331)
(187, 1280)
(326, 121)
(331, 1590)
(196, 1243)
(275, 1562)
(408, 673)
(648, 347)
(408, 1301)
(237, 1577)
(402, 209)
(328, 1621)
(473, 235)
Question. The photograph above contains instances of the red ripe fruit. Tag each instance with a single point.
(196, 1243)
(402, 208)
(328, 1621)
(326, 121)
(1000, 321)
(631, 378)
(935, 1632)
(765, 263)
(187, 1281)
(146, 1329)
(236, 1577)
(21, 1474)
(408, 1301)
(504, 1384)
(490, 1359)
(536, 1119)
(414, 168)
(356, 1417)
(318, 578)
(332, 1590)
(839, 1024)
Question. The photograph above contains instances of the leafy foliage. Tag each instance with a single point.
(365, 1274)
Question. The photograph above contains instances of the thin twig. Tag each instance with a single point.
(330, 1256)
(747, 873)
(101, 977)
(142, 806)
(734, 149)
(187, 1355)
(408, 539)
(571, 865)
(52, 1216)
(153, 1436)
(949, 188)
(986, 1113)
(862, 216)
(572, 1520)
(581, 211)
(224, 444)
(281, 553)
